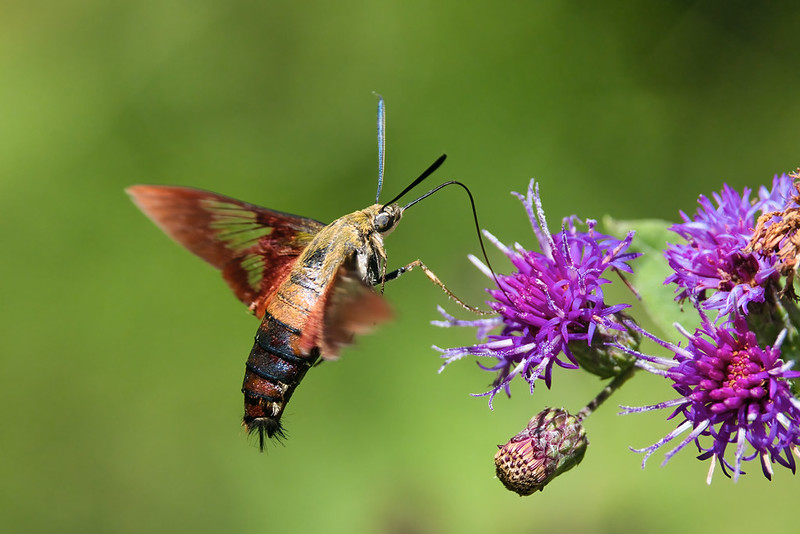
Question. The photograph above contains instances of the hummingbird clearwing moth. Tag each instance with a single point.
(312, 285)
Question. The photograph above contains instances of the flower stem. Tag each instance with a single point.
(606, 393)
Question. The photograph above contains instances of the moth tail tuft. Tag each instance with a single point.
(267, 428)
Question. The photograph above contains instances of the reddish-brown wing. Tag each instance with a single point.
(348, 307)
(254, 247)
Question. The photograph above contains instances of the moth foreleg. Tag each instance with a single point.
(435, 279)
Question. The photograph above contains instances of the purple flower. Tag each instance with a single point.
(710, 268)
(554, 298)
(731, 392)
(782, 191)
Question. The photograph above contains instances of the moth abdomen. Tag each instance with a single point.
(272, 372)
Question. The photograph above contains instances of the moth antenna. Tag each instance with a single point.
(381, 144)
(427, 172)
(474, 218)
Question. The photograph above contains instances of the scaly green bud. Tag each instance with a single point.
(553, 442)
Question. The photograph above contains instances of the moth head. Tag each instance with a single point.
(387, 218)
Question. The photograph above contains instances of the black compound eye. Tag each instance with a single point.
(383, 221)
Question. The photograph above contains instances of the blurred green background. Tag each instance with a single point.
(122, 355)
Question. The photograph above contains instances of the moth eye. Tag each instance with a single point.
(383, 221)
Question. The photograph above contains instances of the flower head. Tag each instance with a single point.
(711, 268)
(731, 392)
(554, 298)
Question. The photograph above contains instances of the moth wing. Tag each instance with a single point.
(349, 307)
(254, 247)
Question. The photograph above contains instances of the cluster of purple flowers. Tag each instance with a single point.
(735, 400)
(731, 389)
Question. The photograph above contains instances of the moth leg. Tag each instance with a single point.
(435, 279)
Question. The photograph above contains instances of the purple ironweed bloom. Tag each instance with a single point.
(711, 268)
(731, 392)
(554, 298)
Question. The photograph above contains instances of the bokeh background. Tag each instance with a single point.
(122, 355)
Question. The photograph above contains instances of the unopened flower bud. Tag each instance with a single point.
(553, 442)
(603, 359)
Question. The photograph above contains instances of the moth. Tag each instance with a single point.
(312, 285)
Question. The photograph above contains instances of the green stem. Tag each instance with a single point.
(606, 393)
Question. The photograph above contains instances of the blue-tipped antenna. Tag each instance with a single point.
(381, 144)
